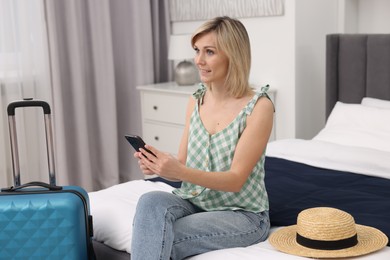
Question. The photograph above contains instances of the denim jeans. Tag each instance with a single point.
(169, 227)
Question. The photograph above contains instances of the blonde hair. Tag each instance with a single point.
(232, 39)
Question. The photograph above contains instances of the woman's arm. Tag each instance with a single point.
(248, 151)
(182, 154)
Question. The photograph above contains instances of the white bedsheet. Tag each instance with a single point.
(113, 208)
(266, 251)
(113, 211)
(328, 155)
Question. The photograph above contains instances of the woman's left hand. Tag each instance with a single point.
(163, 164)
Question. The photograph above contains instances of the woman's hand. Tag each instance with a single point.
(145, 170)
(163, 164)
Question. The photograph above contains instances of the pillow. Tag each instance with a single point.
(357, 125)
(375, 102)
(113, 211)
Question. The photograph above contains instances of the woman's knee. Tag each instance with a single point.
(150, 197)
(150, 200)
(157, 201)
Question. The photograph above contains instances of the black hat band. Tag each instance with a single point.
(327, 245)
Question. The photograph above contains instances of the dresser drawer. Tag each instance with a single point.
(169, 108)
(164, 137)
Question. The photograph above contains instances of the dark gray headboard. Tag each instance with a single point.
(357, 66)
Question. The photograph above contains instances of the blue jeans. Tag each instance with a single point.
(169, 227)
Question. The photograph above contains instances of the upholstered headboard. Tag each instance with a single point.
(357, 66)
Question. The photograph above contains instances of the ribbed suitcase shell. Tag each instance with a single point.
(39, 220)
(44, 224)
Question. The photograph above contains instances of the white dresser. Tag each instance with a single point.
(163, 108)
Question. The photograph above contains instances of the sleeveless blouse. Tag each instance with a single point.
(214, 153)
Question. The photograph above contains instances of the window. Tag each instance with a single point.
(9, 43)
(24, 72)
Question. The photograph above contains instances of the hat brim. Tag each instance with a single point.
(369, 240)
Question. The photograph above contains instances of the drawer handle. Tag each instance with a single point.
(155, 107)
(156, 138)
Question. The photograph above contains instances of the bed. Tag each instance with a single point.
(346, 165)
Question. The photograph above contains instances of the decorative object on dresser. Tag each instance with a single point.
(180, 50)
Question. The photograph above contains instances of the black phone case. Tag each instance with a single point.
(137, 143)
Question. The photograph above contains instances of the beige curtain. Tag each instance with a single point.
(24, 72)
(100, 51)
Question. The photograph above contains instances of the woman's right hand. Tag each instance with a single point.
(145, 170)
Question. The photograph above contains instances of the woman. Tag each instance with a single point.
(222, 202)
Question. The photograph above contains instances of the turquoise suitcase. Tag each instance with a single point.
(42, 220)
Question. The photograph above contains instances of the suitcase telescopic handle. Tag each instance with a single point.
(29, 102)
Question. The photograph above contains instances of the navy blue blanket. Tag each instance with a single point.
(293, 187)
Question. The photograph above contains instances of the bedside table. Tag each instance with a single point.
(163, 111)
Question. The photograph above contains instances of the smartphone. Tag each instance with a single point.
(137, 143)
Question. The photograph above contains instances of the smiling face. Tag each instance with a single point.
(211, 62)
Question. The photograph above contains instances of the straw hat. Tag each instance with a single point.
(327, 233)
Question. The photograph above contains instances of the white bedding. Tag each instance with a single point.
(357, 125)
(334, 156)
(113, 211)
(113, 208)
(265, 251)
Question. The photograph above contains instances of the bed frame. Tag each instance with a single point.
(357, 66)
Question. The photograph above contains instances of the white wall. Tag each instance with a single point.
(364, 16)
(273, 55)
(313, 21)
(373, 16)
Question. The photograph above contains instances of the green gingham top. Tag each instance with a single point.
(215, 152)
